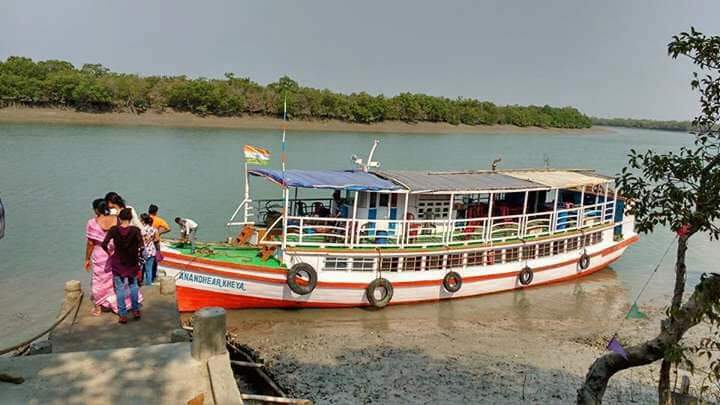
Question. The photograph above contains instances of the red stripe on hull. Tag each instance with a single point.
(191, 299)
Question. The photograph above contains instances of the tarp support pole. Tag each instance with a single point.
(523, 220)
(489, 218)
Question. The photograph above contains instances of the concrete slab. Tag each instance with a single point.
(160, 318)
(161, 374)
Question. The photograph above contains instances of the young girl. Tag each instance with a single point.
(150, 238)
(125, 262)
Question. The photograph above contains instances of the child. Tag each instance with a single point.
(150, 238)
(124, 262)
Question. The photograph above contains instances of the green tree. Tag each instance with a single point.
(680, 190)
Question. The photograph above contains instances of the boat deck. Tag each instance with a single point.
(227, 253)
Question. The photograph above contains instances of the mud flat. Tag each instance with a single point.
(531, 346)
(187, 120)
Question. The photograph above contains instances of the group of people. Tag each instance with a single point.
(122, 252)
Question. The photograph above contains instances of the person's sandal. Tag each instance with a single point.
(96, 311)
(136, 315)
(123, 319)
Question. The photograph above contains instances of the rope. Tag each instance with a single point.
(48, 330)
(647, 282)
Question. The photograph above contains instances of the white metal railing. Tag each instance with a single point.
(344, 232)
(255, 211)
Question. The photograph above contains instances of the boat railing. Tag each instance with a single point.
(256, 211)
(345, 232)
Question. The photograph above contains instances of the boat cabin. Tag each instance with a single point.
(333, 209)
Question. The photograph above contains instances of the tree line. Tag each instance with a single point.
(684, 126)
(94, 88)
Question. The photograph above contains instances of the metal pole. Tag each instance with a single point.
(285, 218)
(523, 219)
(554, 214)
(449, 230)
(406, 227)
(488, 225)
(353, 225)
(247, 193)
(581, 214)
(605, 202)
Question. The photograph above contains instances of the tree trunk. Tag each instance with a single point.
(664, 397)
(689, 315)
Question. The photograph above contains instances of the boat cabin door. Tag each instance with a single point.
(382, 206)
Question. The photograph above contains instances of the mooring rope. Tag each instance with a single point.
(57, 322)
(647, 282)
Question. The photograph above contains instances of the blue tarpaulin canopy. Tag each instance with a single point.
(328, 179)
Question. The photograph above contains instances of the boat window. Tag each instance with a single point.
(495, 256)
(596, 237)
(389, 263)
(455, 260)
(544, 250)
(512, 255)
(362, 200)
(587, 240)
(336, 264)
(363, 264)
(373, 200)
(572, 244)
(558, 247)
(393, 200)
(412, 263)
(528, 252)
(434, 262)
(384, 199)
(475, 258)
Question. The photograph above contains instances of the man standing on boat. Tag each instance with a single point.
(188, 231)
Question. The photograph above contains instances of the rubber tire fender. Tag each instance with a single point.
(292, 278)
(448, 283)
(584, 261)
(374, 285)
(526, 275)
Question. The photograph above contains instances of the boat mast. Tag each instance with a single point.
(286, 192)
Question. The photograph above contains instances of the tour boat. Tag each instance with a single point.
(372, 237)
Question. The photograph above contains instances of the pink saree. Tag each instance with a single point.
(103, 292)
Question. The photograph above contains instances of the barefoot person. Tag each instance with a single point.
(103, 295)
(188, 231)
(125, 263)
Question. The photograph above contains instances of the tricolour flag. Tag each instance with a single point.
(255, 155)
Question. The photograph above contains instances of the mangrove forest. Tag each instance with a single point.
(95, 88)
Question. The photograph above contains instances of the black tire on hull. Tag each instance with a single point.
(309, 278)
(526, 275)
(386, 292)
(452, 282)
(584, 261)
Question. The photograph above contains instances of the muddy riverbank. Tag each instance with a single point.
(532, 346)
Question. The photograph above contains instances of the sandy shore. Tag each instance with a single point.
(532, 346)
(187, 120)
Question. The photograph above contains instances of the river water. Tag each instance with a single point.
(49, 174)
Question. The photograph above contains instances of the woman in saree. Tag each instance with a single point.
(96, 259)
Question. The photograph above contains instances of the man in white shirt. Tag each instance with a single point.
(188, 231)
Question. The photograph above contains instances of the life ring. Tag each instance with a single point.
(525, 276)
(584, 261)
(302, 278)
(452, 282)
(386, 292)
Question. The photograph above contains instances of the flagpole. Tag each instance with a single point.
(283, 158)
(247, 192)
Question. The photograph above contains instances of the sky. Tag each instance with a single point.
(607, 58)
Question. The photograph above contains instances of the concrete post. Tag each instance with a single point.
(208, 333)
(167, 285)
(73, 291)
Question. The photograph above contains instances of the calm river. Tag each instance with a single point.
(49, 174)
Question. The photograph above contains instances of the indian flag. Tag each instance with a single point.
(255, 155)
